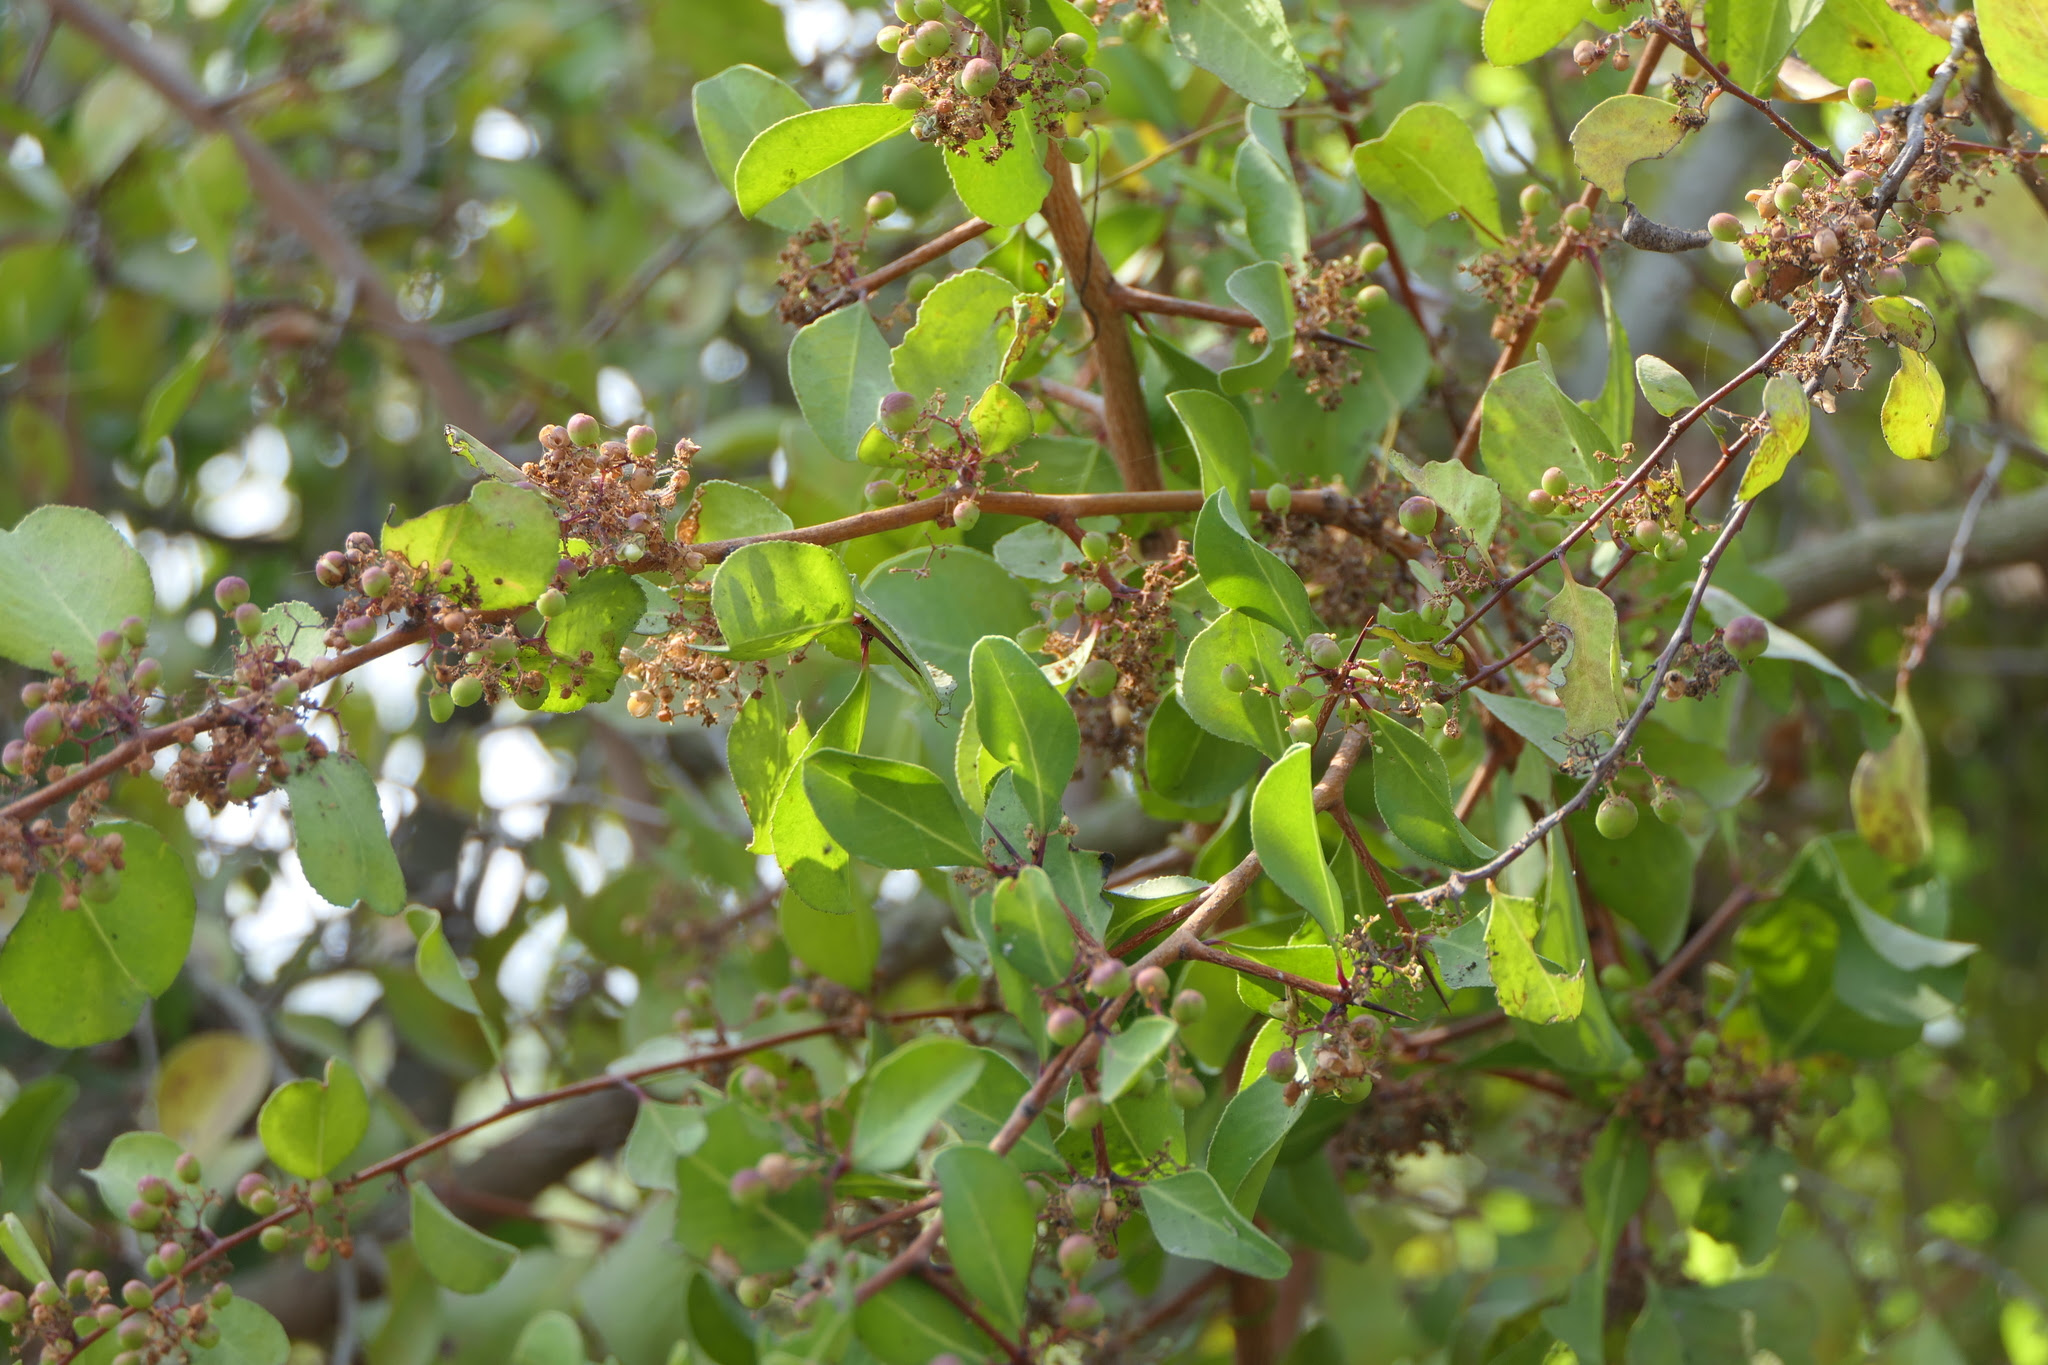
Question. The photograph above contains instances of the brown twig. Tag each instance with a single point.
(1694, 948)
(1684, 43)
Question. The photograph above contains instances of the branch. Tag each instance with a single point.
(1124, 414)
(1952, 567)
(1725, 914)
(1914, 549)
(291, 204)
(1684, 43)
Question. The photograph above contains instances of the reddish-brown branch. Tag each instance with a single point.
(1684, 43)
(1688, 955)
(943, 244)
(944, 1284)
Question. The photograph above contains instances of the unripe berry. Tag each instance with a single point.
(1704, 1044)
(1888, 280)
(1541, 503)
(898, 412)
(551, 603)
(44, 727)
(1615, 978)
(466, 691)
(1434, 716)
(247, 1188)
(890, 38)
(778, 1170)
(108, 646)
(274, 1239)
(1671, 547)
(206, 1336)
(1698, 1071)
(154, 1189)
(1858, 182)
(1084, 1201)
(172, 1255)
(881, 493)
(1187, 1092)
(1724, 227)
(376, 581)
(331, 569)
(929, 9)
(1061, 605)
(248, 619)
(1279, 498)
(1098, 678)
(1616, 818)
(1372, 256)
(1065, 1025)
(1788, 197)
(230, 592)
(979, 77)
(1555, 482)
(1071, 46)
(1095, 547)
(1325, 652)
(500, 649)
(13, 1306)
(753, 1292)
(1862, 93)
(1151, 983)
(748, 1188)
(1372, 298)
(1074, 149)
(582, 429)
(1799, 173)
(1081, 1312)
(641, 441)
(243, 781)
(1576, 216)
(907, 97)
(1298, 700)
(1031, 639)
(133, 1332)
(359, 630)
(1536, 200)
(1743, 294)
(1923, 251)
(1085, 1112)
(1036, 42)
(1301, 730)
(317, 1258)
(933, 39)
(1096, 597)
(1746, 637)
(1108, 978)
(1280, 1066)
(1077, 1255)
(1826, 244)
(1234, 678)
(136, 1294)
(1189, 1006)
(223, 1294)
(1418, 516)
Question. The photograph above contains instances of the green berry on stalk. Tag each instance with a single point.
(154, 1189)
(1724, 227)
(882, 493)
(748, 1188)
(108, 646)
(376, 581)
(249, 619)
(1325, 652)
(979, 78)
(881, 204)
(223, 1295)
(1556, 482)
(274, 1239)
(1616, 818)
(1615, 978)
(1072, 46)
(243, 781)
(905, 10)
(1085, 1111)
(1862, 93)
(551, 603)
(898, 412)
(1280, 1066)
(1076, 1255)
(1671, 547)
(1857, 182)
(1096, 597)
(1095, 547)
(1279, 498)
(1372, 256)
(1074, 149)
(1234, 678)
(1084, 1201)
(14, 757)
(1151, 983)
(187, 1168)
(1065, 1025)
(466, 691)
(910, 55)
(1187, 1091)
(929, 9)
(920, 284)
(136, 1294)
(1576, 216)
(1081, 1312)
(1036, 42)
(1298, 700)
(1031, 639)
(582, 429)
(1667, 806)
(1372, 298)
(1098, 678)
(966, 513)
(1799, 173)
(44, 728)
(1923, 251)
(1109, 978)
(1541, 503)
(1743, 295)
(1301, 730)
(1434, 716)
(1392, 661)
(317, 1259)
(933, 39)
(1746, 637)
(1061, 605)
(13, 1306)
(1698, 1071)
(1418, 515)
(1704, 1044)
(1788, 197)
(1536, 200)
(358, 630)
(1189, 1006)
(230, 592)
(172, 1255)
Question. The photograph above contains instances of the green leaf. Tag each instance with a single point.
(943, 605)
(1526, 988)
(1223, 445)
(911, 1323)
(760, 754)
(455, 1254)
(1000, 419)
(1743, 1206)
(1529, 425)
(773, 1236)
(1587, 675)
(1723, 606)
(1284, 834)
(339, 830)
(1666, 390)
(1303, 1199)
(907, 1092)
(129, 1158)
(1428, 164)
(67, 576)
(1888, 792)
(1851, 38)
(1614, 410)
(732, 511)
(73, 978)
(1752, 37)
(1192, 1218)
(1790, 419)
(991, 1226)
(1264, 290)
(45, 285)
(603, 612)
(481, 457)
(1517, 31)
(730, 110)
(550, 1338)
(1250, 717)
(1186, 764)
(2016, 40)
(839, 370)
(1127, 1053)
(1025, 723)
(20, 1249)
(1620, 131)
(28, 1128)
(1646, 878)
(787, 153)
(309, 1127)
(842, 947)
(1030, 931)
(1244, 43)
(1614, 1182)
(1274, 219)
(173, 394)
(980, 1114)
(660, 1134)
(1006, 191)
(1903, 320)
(1248, 1137)
(1241, 573)
(248, 1336)
(505, 538)
(889, 813)
(957, 345)
(1471, 500)
(1915, 409)
(776, 596)
(439, 971)
(819, 870)
(1413, 791)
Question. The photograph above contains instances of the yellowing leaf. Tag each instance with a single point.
(1526, 988)
(1915, 404)
(1888, 793)
(1617, 133)
(1790, 420)
(2016, 40)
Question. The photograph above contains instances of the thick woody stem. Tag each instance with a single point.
(1123, 399)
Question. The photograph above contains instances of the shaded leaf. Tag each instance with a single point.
(338, 827)
(1030, 930)
(1587, 675)
(1620, 131)
(1428, 164)
(907, 1092)
(1413, 791)
(1192, 1218)
(454, 1253)
(889, 813)
(1243, 42)
(1289, 849)
(67, 576)
(991, 1226)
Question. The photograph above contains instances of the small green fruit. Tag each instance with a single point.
(1724, 227)
(1615, 978)
(1065, 1025)
(1085, 1111)
(243, 781)
(1667, 806)
(1234, 678)
(934, 39)
(466, 691)
(230, 592)
(1280, 1065)
(1297, 700)
(1036, 42)
(898, 412)
(1616, 818)
(1061, 605)
(1705, 1044)
(1325, 652)
(966, 513)
(1788, 197)
(1074, 149)
(882, 493)
(551, 603)
(1646, 534)
(44, 727)
(1187, 1092)
(1031, 639)
(187, 1168)
(1098, 678)
(1556, 482)
(1071, 46)
(1746, 637)
(1096, 597)
(1189, 1006)
(1434, 716)
(1698, 1071)
(582, 429)
(979, 78)
(1084, 1202)
(358, 630)
(1372, 256)
(1081, 1312)
(108, 646)
(1077, 1255)
(748, 1188)
(1862, 93)
(1279, 498)
(274, 1239)
(1576, 217)
(1418, 516)
(1095, 547)
(1541, 503)
(1372, 298)
(1109, 978)
(1923, 251)
(249, 620)
(1536, 200)
(1301, 730)
(376, 581)
(920, 284)
(1671, 547)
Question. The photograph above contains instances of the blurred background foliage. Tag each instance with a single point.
(526, 177)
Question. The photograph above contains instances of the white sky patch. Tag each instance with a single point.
(501, 135)
(497, 894)
(523, 975)
(619, 399)
(242, 494)
(519, 776)
(816, 27)
(721, 362)
(1502, 136)
(343, 997)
